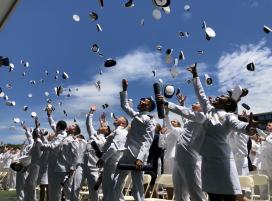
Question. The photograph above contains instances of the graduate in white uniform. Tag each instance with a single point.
(53, 147)
(168, 142)
(219, 174)
(21, 176)
(33, 169)
(112, 152)
(86, 167)
(138, 142)
(187, 166)
(264, 159)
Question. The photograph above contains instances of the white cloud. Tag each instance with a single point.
(134, 66)
(232, 71)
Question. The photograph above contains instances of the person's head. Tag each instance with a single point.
(175, 123)
(104, 129)
(269, 126)
(158, 128)
(73, 129)
(120, 121)
(61, 126)
(35, 134)
(146, 105)
(225, 102)
(196, 107)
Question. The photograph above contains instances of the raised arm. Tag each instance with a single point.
(89, 122)
(51, 121)
(199, 91)
(27, 133)
(124, 100)
(187, 113)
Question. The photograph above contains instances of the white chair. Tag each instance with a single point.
(147, 180)
(164, 180)
(247, 182)
(259, 180)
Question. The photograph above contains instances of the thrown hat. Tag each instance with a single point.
(251, 66)
(93, 16)
(76, 18)
(169, 91)
(129, 4)
(162, 3)
(65, 76)
(156, 13)
(267, 29)
(110, 62)
(236, 93)
(208, 79)
(245, 106)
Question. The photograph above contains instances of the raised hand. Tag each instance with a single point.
(181, 99)
(192, 69)
(124, 84)
(92, 108)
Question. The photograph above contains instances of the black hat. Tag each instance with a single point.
(129, 4)
(162, 3)
(246, 106)
(105, 106)
(101, 3)
(110, 62)
(95, 48)
(4, 61)
(251, 66)
(267, 29)
(93, 16)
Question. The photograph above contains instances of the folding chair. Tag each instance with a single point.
(164, 180)
(3, 175)
(259, 180)
(147, 180)
(247, 182)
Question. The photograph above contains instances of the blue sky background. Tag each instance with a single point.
(44, 34)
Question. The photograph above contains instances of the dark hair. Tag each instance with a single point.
(153, 105)
(109, 130)
(231, 105)
(77, 129)
(62, 125)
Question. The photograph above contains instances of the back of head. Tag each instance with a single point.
(77, 129)
(231, 105)
(61, 125)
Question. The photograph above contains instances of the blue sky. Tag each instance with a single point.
(44, 34)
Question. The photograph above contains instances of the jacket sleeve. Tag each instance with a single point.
(53, 144)
(52, 123)
(89, 125)
(187, 113)
(237, 125)
(201, 96)
(149, 135)
(29, 137)
(125, 105)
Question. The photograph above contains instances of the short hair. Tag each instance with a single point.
(231, 105)
(153, 105)
(77, 129)
(62, 125)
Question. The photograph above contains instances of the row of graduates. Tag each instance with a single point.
(66, 160)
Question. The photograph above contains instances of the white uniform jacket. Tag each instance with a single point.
(142, 130)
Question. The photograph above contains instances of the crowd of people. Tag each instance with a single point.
(206, 151)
